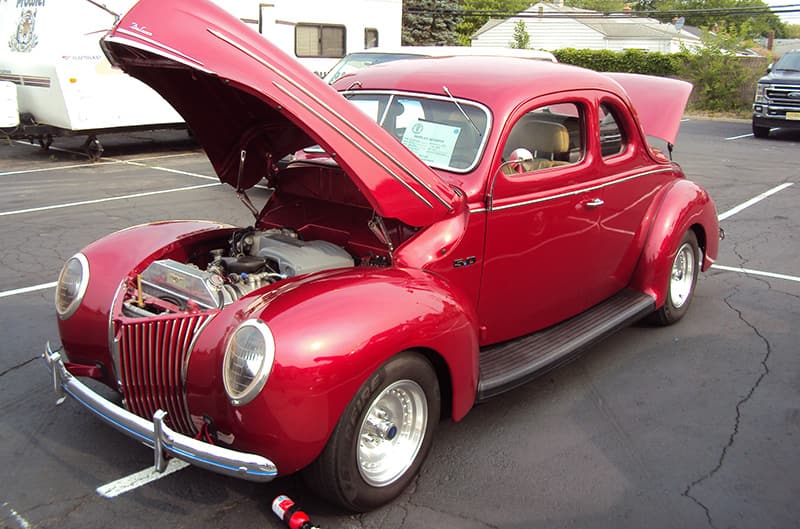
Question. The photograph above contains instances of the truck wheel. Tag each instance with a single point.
(760, 132)
(682, 280)
(382, 438)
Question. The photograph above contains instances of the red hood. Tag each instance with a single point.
(658, 101)
(237, 92)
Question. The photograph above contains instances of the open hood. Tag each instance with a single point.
(238, 92)
(658, 101)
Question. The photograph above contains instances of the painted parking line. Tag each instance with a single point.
(108, 199)
(57, 168)
(755, 200)
(751, 272)
(143, 477)
(25, 290)
(18, 519)
(739, 137)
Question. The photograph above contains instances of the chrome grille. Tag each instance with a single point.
(152, 355)
(784, 95)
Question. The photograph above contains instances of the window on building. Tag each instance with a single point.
(318, 40)
(370, 38)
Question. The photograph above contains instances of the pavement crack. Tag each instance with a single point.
(732, 438)
(19, 366)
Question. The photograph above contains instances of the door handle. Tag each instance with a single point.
(594, 203)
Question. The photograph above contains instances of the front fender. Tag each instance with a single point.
(683, 206)
(332, 330)
(85, 334)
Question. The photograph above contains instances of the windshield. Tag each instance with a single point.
(442, 133)
(790, 61)
(356, 61)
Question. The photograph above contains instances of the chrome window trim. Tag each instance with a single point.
(392, 94)
(571, 193)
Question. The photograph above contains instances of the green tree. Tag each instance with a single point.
(605, 6)
(430, 22)
(475, 13)
(732, 14)
(717, 73)
(522, 39)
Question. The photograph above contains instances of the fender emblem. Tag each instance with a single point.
(458, 263)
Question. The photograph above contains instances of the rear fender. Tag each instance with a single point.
(683, 206)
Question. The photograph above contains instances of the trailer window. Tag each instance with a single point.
(370, 38)
(318, 40)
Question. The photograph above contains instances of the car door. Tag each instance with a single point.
(543, 221)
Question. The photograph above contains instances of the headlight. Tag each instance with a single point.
(760, 89)
(248, 361)
(71, 285)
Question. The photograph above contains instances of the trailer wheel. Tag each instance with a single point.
(93, 148)
(45, 142)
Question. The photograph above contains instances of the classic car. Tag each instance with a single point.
(476, 222)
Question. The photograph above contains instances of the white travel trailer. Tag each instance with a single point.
(49, 51)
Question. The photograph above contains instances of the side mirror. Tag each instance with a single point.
(769, 68)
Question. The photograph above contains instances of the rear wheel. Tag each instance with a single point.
(760, 132)
(383, 436)
(682, 280)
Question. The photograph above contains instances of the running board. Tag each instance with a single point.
(510, 364)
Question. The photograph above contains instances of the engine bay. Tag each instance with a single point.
(252, 260)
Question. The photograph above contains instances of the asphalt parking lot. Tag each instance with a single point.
(690, 426)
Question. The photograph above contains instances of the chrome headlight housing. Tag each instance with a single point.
(71, 287)
(761, 93)
(248, 361)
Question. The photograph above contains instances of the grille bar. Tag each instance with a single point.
(152, 355)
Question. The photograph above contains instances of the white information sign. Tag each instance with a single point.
(432, 142)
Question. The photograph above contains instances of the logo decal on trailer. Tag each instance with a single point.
(25, 38)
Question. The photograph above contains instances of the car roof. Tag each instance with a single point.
(500, 83)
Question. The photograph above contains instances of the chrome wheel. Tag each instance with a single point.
(392, 432)
(684, 268)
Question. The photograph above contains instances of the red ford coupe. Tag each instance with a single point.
(474, 222)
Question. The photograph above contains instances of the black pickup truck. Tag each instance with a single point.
(777, 101)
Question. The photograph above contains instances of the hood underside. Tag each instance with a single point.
(659, 102)
(249, 104)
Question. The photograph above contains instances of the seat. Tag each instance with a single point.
(547, 141)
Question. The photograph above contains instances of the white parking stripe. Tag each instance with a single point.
(134, 481)
(25, 290)
(58, 168)
(101, 200)
(733, 211)
(168, 170)
(752, 272)
(739, 137)
(22, 522)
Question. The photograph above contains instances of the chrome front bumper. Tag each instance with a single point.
(157, 435)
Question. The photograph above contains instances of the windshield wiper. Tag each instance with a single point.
(453, 99)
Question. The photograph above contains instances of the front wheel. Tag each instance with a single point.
(682, 280)
(760, 132)
(383, 436)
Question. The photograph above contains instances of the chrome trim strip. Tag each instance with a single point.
(354, 144)
(339, 116)
(579, 191)
(158, 435)
(178, 57)
(113, 343)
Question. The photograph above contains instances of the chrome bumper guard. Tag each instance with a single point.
(156, 434)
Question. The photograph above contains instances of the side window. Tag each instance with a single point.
(370, 38)
(553, 134)
(318, 40)
(612, 140)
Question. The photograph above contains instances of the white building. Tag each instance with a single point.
(553, 26)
